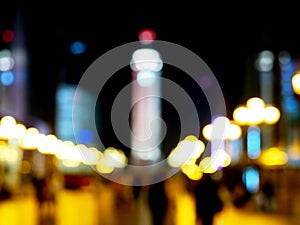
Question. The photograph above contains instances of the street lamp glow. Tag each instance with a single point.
(296, 83)
(255, 116)
(19, 131)
(265, 61)
(103, 167)
(8, 121)
(45, 144)
(255, 103)
(146, 59)
(193, 171)
(114, 157)
(256, 108)
(207, 131)
(240, 115)
(7, 125)
(232, 131)
(274, 157)
(91, 155)
(186, 152)
(146, 78)
(205, 165)
(220, 124)
(31, 139)
(256, 112)
(271, 115)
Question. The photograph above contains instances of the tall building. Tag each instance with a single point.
(146, 67)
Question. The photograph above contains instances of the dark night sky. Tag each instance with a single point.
(225, 38)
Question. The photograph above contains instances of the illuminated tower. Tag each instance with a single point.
(146, 65)
(265, 67)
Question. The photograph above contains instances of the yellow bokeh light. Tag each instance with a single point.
(70, 163)
(55, 146)
(7, 127)
(173, 160)
(227, 160)
(240, 115)
(256, 112)
(68, 143)
(32, 130)
(206, 166)
(196, 175)
(8, 121)
(271, 115)
(114, 157)
(220, 159)
(255, 116)
(91, 155)
(31, 139)
(233, 132)
(273, 157)
(191, 138)
(102, 167)
(51, 137)
(68, 151)
(192, 171)
(296, 83)
(206, 131)
(198, 149)
(19, 131)
(185, 152)
(255, 103)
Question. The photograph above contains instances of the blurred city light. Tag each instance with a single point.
(265, 61)
(222, 132)
(251, 179)
(146, 59)
(186, 152)
(206, 165)
(7, 62)
(253, 142)
(146, 36)
(287, 67)
(146, 78)
(78, 47)
(8, 36)
(253, 114)
(192, 171)
(256, 112)
(296, 83)
(274, 157)
(7, 78)
(271, 114)
(232, 131)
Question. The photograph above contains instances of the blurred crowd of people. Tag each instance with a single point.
(157, 203)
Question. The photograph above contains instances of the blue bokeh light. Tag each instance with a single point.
(78, 47)
(251, 179)
(7, 78)
(85, 136)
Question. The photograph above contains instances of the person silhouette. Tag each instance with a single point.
(158, 202)
(207, 200)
